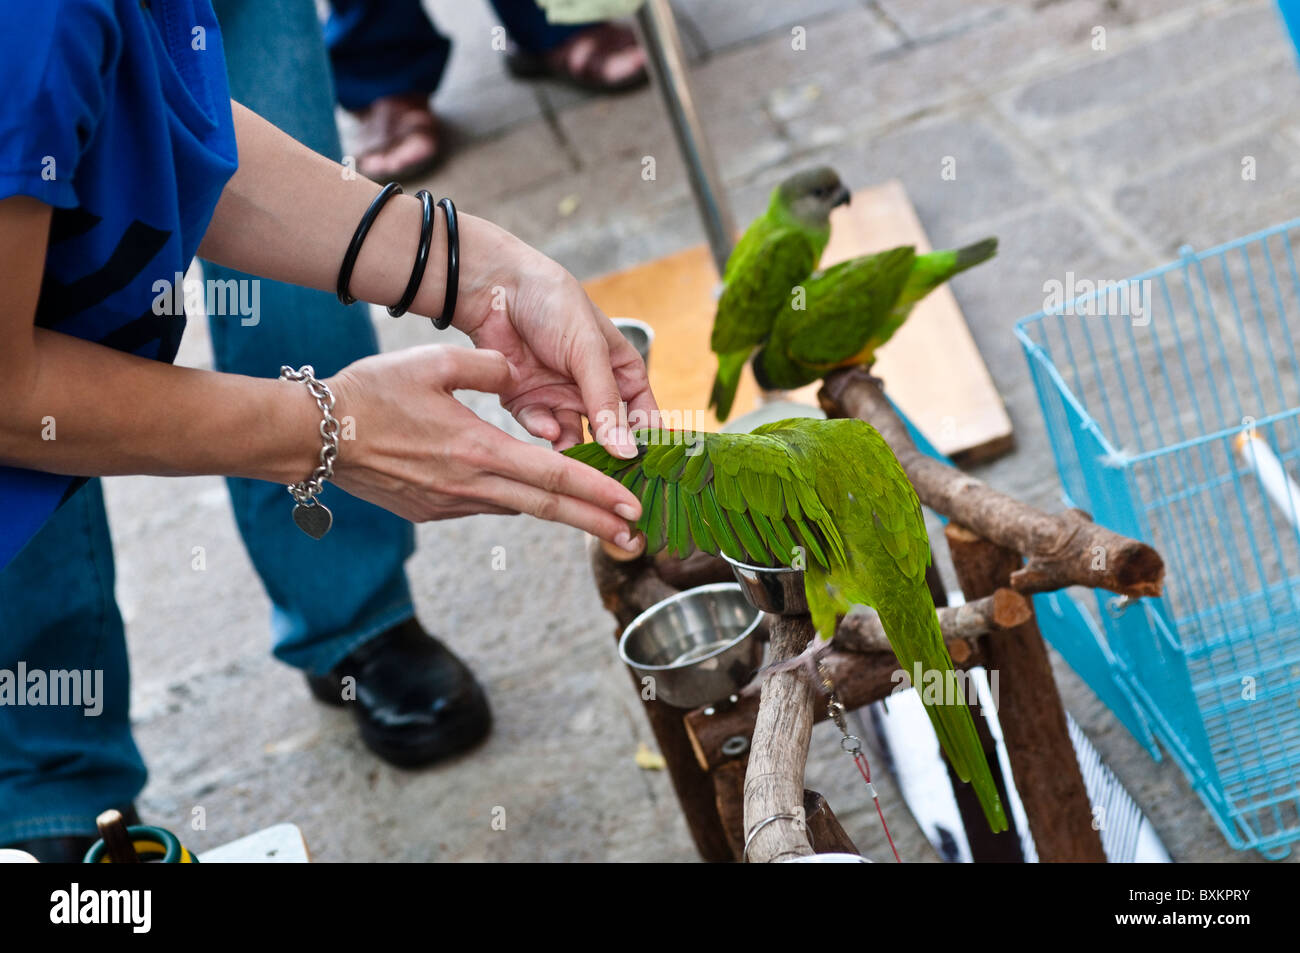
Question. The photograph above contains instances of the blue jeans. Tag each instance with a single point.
(386, 47)
(60, 768)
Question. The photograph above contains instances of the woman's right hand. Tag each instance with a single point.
(422, 454)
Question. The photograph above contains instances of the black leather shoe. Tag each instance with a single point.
(70, 849)
(415, 702)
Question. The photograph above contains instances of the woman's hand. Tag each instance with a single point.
(569, 360)
(289, 213)
(425, 456)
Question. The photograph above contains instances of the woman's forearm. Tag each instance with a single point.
(88, 410)
(75, 407)
(289, 213)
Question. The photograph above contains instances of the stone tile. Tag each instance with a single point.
(955, 171)
(1167, 127)
(627, 126)
(594, 198)
(727, 23)
(507, 164)
(742, 138)
(922, 19)
(836, 45)
(483, 108)
(627, 240)
(1205, 201)
(1126, 77)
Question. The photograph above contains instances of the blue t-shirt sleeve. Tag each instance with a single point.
(55, 60)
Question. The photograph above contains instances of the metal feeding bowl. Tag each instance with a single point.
(699, 646)
(639, 334)
(779, 591)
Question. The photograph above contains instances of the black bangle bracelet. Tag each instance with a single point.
(359, 236)
(421, 255)
(453, 266)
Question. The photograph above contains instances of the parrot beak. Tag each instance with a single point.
(842, 197)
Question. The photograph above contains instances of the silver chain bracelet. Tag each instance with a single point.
(312, 516)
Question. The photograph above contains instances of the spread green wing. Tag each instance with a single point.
(743, 495)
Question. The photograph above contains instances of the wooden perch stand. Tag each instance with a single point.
(782, 733)
(1066, 549)
(739, 763)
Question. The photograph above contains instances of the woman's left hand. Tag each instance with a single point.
(569, 359)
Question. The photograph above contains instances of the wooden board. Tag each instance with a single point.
(931, 368)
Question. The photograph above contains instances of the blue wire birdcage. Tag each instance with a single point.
(1172, 401)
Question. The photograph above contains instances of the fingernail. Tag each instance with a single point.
(627, 511)
(623, 443)
(623, 541)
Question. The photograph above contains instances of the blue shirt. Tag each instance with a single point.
(117, 114)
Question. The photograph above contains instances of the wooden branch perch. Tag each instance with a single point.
(779, 751)
(860, 678)
(1061, 550)
(1038, 746)
(1005, 609)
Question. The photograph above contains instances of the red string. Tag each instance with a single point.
(865, 770)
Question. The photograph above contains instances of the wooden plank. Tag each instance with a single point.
(932, 367)
(675, 295)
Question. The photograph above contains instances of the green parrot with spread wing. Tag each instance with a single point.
(827, 496)
(805, 323)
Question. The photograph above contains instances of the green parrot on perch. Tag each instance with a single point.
(804, 323)
(827, 496)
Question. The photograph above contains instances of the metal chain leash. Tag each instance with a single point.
(852, 746)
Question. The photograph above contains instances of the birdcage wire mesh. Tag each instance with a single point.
(1165, 395)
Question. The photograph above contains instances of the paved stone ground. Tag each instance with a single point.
(1101, 162)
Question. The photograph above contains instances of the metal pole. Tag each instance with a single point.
(663, 47)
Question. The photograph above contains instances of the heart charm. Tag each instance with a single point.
(314, 520)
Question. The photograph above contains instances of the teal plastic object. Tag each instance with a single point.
(1152, 389)
(1290, 10)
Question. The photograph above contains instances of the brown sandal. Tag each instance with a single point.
(394, 125)
(584, 58)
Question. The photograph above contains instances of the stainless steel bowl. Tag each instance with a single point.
(699, 646)
(779, 591)
(639, 334)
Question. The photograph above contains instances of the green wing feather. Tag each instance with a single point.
(738, 494)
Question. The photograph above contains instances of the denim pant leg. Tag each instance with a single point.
(527, 25)
(61, 765)
(382, 48)
(333, 594)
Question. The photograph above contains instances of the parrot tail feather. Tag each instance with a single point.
(918, 634)
(727, 380)
(972, 255)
